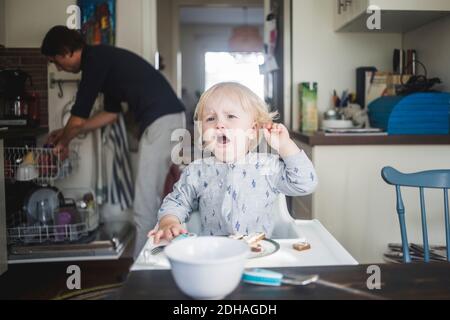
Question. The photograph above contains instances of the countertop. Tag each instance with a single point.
(320, 139)
(13, 133)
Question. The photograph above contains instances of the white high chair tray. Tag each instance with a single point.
(325, 251)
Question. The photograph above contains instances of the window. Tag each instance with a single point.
(237, 67)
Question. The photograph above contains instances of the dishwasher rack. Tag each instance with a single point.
(84, 221)
(38, 164)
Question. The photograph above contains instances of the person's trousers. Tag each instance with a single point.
(154, 161)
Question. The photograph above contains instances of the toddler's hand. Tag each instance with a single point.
(276, 135)
(167, 232)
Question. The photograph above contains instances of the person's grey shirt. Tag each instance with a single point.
(238, 198)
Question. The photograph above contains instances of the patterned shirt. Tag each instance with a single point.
(237, 198)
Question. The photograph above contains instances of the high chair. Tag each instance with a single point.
(284, 222)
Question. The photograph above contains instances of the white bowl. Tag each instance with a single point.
(337, 124)
(207, 268)
(27, 172)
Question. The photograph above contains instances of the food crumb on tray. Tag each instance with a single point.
(253, 240)
(301, 246)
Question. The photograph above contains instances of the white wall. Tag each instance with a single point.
(432, 43)
(27, 21)
(2, 22)
(329, 58)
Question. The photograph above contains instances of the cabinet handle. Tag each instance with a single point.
(347, 4)
(340, 6)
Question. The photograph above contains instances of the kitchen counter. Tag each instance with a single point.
(13, 133)
(320, 139)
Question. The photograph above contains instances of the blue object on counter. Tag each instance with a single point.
(415, 114)
(263, 277)
(184, 236)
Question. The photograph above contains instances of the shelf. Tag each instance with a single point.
(320, 139)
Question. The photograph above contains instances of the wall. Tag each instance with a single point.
(432, 43)
(329, 58)
(28, 21)
(165, 45)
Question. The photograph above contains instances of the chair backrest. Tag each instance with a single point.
(284, 224)
(436, 179)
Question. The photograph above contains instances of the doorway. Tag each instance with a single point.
(220, 44)
(192, 34)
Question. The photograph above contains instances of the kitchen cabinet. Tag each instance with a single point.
(3, 249)
(354, 203)
(396, 16)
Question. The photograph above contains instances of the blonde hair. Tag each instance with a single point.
(247, 99)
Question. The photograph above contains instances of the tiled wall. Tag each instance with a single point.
(32, 62)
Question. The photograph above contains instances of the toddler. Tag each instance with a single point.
(235, 190)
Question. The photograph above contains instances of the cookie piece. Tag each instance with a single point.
(301, 246)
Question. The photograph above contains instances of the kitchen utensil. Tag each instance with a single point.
(52, 195)
(207, 267)
(65, 218)
(332, 114)
(271, 278)
(160, 249)
(275, 279)
(337, 124)
(27, 172)
(44, 213)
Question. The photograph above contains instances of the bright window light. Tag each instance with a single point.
(236, 67)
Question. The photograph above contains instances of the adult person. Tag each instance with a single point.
(122, 77)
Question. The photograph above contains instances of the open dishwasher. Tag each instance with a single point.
(46, 223)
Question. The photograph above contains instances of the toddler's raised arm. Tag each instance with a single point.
(295, 175)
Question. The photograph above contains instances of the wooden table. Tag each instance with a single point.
(414, 281)
(44, 281)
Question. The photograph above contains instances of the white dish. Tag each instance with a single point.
(337, 124)
(207, 267)
(27, 172)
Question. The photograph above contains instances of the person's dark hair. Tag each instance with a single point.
(61, 40)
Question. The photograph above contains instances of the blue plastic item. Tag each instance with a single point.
(415, 114)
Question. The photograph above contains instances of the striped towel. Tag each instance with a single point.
(120, 176)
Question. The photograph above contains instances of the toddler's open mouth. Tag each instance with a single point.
(223, 139)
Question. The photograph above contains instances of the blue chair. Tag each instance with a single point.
(437, 179)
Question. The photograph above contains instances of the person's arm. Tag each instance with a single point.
(76, 126)
(177, 207)
(294, 173)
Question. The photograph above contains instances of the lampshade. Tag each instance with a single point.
(246, 39)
